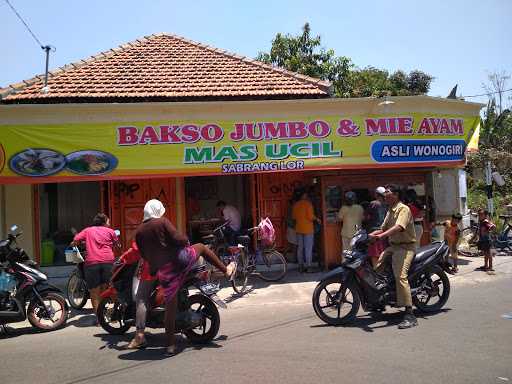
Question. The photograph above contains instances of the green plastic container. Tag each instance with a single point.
(47, 251)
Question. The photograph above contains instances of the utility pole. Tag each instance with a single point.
(488, 180)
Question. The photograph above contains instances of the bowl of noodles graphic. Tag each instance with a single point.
(37, 162)
(91, 162)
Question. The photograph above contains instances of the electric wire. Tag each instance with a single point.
(26, 25)
(489, 93)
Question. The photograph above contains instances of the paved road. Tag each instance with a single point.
(272, 336)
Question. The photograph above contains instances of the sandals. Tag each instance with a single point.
(134, 344)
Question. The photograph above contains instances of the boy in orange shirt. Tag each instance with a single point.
(452, 237)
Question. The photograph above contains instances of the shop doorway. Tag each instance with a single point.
(333, 190)
(64, 208)
(128, 197)
(202, 193)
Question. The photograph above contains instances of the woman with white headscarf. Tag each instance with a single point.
(171, 258)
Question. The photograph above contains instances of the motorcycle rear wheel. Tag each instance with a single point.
(211, 320)
(111, 316)
(77, 291)
(38, 316)
(332, 294)
(435, 284)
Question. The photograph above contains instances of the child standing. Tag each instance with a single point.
(485, 226)
(452, 237)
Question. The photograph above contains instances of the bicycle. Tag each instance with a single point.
(271, 266)
(76, 287)
(267, 263)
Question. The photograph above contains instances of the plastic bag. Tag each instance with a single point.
(267, 232)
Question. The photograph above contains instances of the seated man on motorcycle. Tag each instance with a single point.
(398, 228)
(169, 256)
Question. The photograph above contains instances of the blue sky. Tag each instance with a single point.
(456, 41)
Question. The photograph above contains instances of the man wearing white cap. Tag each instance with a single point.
(350, 216)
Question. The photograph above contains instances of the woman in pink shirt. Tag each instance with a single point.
(99, 240)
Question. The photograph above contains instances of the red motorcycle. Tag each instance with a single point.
(197, 317)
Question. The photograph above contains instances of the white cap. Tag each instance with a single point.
(380, 190)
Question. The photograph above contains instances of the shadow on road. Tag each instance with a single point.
(156, 346)
(370, 322)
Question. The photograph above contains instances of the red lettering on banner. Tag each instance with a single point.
(376, 127)
(190, 133)
(239, 133)
(168, 134)
(389, 126)
(212, 133)
(274, 131)
(444, 127)
(148, 136)
(127, 135)
(457, 126)
(347, 127)
(251, 130)
(424, 128)
(297, 129)
(441, 126)
(319, 128)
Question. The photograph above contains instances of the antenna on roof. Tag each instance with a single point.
(46, 48)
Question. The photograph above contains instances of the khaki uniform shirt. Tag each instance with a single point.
(400, 214)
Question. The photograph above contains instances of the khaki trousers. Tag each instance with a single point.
(401, 258)
(345, 241)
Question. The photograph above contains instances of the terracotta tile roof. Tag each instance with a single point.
(165, 67)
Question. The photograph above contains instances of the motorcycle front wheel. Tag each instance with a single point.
(210, 324)
(434, 290)
(50, 316)
(77, 291)
(335, 302)
(111, 316)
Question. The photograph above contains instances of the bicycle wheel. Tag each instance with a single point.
(272, 267)
(77, 291)
(239, 282)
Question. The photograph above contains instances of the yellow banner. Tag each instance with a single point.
(44, 153)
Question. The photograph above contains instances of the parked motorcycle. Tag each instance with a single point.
(22, 283)
(340, 293)
(197, 317)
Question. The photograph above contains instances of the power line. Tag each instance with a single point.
(489, 93)
(24, 23)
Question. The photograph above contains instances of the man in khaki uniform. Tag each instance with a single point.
(398, 227)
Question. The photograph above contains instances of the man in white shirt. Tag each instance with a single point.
(232, 216)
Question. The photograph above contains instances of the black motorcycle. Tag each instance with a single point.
(197, 316)
(340, 293)
(22, 283)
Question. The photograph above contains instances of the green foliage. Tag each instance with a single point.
(495, 146)
(304, 54)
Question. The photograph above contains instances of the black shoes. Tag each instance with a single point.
(409, 321)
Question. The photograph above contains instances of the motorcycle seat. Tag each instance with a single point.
(425, 252)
